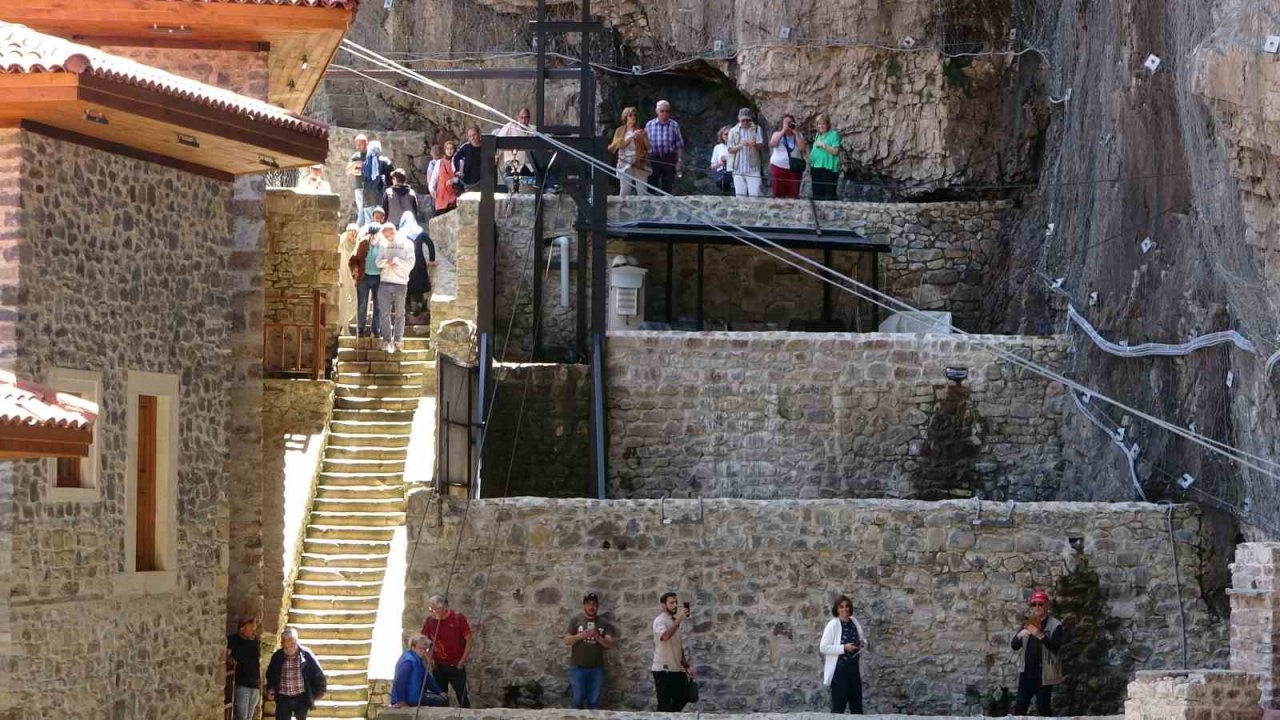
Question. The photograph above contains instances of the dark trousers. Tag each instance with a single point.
(292, 706)
(447, 675)
(846, 688)
(663, 175)
(366, 290)
(1029, 686)
(824, 183)
(673, 690)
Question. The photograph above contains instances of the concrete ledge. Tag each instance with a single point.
(561, 714)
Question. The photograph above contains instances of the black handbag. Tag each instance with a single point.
(692, 692)
(796, 165)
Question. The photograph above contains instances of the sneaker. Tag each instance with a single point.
(389, 348)
(399, 347)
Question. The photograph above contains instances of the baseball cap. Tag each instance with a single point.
(591, 597)
(1040, 596)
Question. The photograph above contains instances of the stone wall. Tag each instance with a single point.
(295, 420)
(245, 72)
(939, 587)
(510, 714)
(1193, 695)
(114, 287)
(540, 432)
(939, 258)
(302, 256)
(10, 239)
(793, 415)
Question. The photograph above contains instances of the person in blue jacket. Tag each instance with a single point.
(414, 685)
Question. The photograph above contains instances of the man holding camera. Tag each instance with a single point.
(587, 637)
(671, 669)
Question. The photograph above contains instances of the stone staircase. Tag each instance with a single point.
(359, 503)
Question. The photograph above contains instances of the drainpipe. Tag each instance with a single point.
(563, 242)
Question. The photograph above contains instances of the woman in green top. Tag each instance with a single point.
(824, 160)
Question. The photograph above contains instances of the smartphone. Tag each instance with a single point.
(686, 606)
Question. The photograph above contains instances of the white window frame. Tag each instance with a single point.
(165, 388)
(87, 385)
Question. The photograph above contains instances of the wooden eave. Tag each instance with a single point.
(20, 441)
(146, 123)
(289, 33)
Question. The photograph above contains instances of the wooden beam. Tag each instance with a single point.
(202, 118)
(126, 150)
(180, 42)
(202, 18)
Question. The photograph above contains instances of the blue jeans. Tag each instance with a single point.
(586, 684)
(246, 702)
(365, 289)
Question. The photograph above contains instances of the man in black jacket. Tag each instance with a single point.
(294, 678)
(1039, 663)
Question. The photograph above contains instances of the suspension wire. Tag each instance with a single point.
(854, 287)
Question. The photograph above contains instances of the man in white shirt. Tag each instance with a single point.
(671, 669)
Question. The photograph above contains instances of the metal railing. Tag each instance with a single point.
(294, 347)
(229, 690)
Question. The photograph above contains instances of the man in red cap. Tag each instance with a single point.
(1039, 664)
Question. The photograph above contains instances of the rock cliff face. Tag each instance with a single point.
(1185, 155)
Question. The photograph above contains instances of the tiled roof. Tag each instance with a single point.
(23, 50)
(23, 403)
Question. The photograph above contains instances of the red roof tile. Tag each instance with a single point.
(23, 50)
(24, 403)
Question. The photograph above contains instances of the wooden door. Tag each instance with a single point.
(145, 555)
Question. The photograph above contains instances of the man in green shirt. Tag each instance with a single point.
(587, 637)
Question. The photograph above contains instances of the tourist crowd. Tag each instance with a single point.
(435, 660)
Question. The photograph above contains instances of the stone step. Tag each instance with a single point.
(392, 367)
(350, 532)
(315, 573)
(365, 452)
(347, 678)
(324, 617)
(351, 341)
(373, 415)
(394, 378)
(325, 601)
(378, 355)
(313, 633)
(402, 404)
(339, 648)
(398, 437)
(327, 709)
(346, 693)
(360, 505)
(340, 547)
(365, 428)
(379, 391)
(351, 465)
(321, 518)
(341, 588)
(361, 479)
(337, 561)
(360, 492)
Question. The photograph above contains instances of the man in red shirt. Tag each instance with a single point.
(452, 641)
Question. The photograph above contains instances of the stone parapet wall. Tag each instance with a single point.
(295, 420)
(1255, 615)
(113, 287)
(514, 714)
(939, 588)
(792, 415)
(302, 256)
(1193, 695)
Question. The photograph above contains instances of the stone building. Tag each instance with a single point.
(134, 226)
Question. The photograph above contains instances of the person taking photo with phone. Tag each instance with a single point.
(671, 669)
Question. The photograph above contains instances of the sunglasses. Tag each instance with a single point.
(1038, 604)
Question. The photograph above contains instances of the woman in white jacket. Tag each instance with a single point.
(843, 642)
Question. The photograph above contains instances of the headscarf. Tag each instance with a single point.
(372, 170)
(409, 227)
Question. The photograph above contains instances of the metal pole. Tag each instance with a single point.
(599, 233)
(701, 270)
(826, 288)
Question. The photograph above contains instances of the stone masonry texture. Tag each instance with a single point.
(797, 415)
(302, 256)
(940, 254)
(1255, 615)
(540, 443)
(1193, 695)
(548, 714)
(118, 283)
(939, 587)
